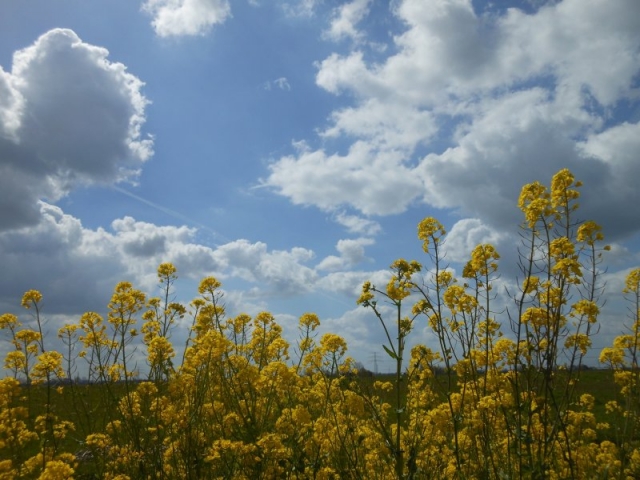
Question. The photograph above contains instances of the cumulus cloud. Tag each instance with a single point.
(143, 246)
(75, 272)
(10, 106)
(515, 139)
(278, 273)
(282, 272)
(357, 224)
(360, 329)
(345, 20)
(68, 117)
(450, 50)
(351, 253)
(349, 283)
(186, 17)
(390, 126)
(76, 267)
(470, 106)
(361, 178)
(465, 235)
(554, 39)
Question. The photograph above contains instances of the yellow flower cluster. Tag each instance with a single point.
(430, 231)
(487, 402)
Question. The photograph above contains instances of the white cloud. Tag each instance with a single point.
(465, 235)
(374, 182)
(586, 43)
(300, 8)
(352, 250)
(345, 20)
(143, 246)
(351, 254)
(331, 263)
(448, 50)
(358, 225)
(70, 117)
(493, 100)
(282, 83)
(76, 268)
(513, 140)
(618, 147)
(10, 107)
(389, 126)
(186, 17)
(337, 73)
(349, 283)
(361, 330)
(279, 271)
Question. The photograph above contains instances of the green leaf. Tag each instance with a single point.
(390, 353)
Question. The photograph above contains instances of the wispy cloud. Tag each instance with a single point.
(170, 212)
(281, 83)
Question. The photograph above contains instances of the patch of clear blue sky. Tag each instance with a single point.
(216, 126)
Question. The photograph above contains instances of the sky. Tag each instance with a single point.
(289, 148)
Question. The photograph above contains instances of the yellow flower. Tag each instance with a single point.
(430, 230)
(98, 440)
(166, 271)
(530, 284)
(421, 306)
(7, 471)
(31, 297)
(632, 282)
(589, 233)
(28, 336)
(67, 330)
(578, 340)
(482, 261)
(612, 406)
(458, 300)
(587, 401)
(535, 316)
(49, 363)
(208, 285)
(125, 302)
(15, 361)
(534, 202)
(586, 308)
(197, 303)
(309, 320)
(397, 290)
(561, 192)
(114, 372)
(445, 278)
(332, 343)
(612, 356)
(159, 351)
(8, 320)
(366, 296)
(56, 470)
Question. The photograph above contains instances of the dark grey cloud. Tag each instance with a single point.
(54, 256)
(68, 117)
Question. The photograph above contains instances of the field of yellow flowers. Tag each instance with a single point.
(243, 403)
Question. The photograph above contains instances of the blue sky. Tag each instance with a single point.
(290, 148)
